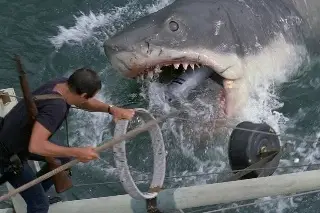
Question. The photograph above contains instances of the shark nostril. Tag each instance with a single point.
(115, 47)
(147, 43)
(110, 47)
(173, 26)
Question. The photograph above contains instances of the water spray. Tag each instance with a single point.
(180, 87)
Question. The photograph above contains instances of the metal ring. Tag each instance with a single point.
(159, 158)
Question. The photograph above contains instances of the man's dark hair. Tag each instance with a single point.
(84, 80)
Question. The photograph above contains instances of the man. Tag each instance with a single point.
(19, 136)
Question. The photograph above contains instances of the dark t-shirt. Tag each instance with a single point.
(16, 131)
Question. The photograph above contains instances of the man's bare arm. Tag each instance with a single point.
(40, 145)
(94, 105)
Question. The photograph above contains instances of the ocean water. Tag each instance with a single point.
(54, 38)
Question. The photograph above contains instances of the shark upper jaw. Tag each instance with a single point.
(149, 62)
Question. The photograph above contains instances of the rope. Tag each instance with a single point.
(250, 130)
(106, 145)
(67, 130)
(198, 175)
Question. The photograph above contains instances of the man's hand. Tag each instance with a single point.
(120, 113)
(86, 154)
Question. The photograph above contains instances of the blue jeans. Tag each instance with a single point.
(35, 197)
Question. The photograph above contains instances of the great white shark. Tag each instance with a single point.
(235, 38)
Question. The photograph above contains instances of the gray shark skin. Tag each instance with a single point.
(238, 39)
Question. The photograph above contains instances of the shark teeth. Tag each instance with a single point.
(139, 78)
(150, 74)
(157, 69)
(185, 66)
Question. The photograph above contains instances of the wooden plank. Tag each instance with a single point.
(7, 102)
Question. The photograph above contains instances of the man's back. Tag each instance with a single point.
(16, 131)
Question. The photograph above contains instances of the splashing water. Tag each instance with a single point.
(88, 27)
(265, 78)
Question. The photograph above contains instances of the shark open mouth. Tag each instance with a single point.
(144, 61)
(173, 72)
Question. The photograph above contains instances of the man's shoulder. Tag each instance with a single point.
(52, 100)
(51, 113)
(59, 80)
(47, 87)
(55, 81)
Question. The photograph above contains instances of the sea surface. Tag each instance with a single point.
(54, 38)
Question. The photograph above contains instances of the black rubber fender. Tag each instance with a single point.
(245, 145)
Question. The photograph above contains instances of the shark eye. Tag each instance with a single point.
(174, 26)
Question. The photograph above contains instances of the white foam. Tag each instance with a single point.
(99, 26)
(265, 72)
(186, 135)
(86, 26)
(158, 5)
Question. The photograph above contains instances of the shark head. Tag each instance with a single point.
(234, 38)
